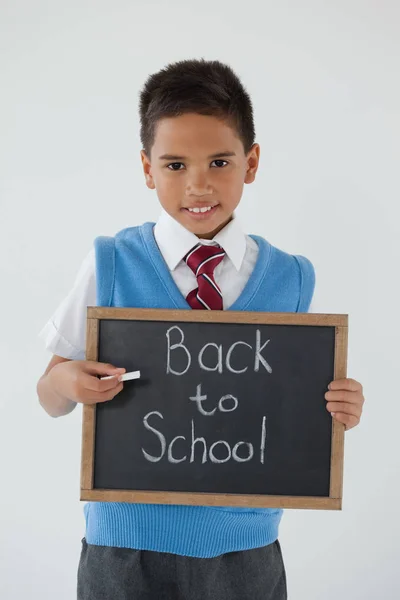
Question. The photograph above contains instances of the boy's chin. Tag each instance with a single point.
(207, 228)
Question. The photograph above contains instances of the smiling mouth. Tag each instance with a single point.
(201, 214)
(201, 210)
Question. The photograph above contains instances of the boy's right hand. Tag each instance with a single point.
(77, 381)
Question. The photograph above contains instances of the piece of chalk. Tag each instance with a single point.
(125, 376)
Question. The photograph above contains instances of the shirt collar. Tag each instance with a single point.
(175, 241)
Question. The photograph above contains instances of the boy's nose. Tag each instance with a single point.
(198, 188)
(198, 183)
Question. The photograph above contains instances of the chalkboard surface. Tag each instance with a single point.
(233, 408)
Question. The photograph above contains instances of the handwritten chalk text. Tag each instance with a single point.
(241, 452)
(211, 356)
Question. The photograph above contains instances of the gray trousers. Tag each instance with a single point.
(108, 573)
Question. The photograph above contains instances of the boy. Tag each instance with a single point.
(198, 135)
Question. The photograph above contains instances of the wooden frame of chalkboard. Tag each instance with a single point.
(332, 500)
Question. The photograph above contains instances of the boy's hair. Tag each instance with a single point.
(196, 86)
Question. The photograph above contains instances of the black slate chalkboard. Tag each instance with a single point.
(220, 407)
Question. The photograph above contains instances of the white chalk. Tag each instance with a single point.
(125, 376)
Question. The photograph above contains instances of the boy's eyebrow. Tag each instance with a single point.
(173, 157)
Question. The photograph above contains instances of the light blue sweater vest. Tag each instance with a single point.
(131, 272)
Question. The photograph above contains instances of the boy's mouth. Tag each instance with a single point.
(201, 213)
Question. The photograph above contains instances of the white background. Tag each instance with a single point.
(324, 81)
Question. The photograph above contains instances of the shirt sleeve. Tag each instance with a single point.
(65, 332)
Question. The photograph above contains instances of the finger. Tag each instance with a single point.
(349, 421)
(91, 382)
(345, 384)
(99, 368)
(343, 407)
(99, 397)
(344, 396)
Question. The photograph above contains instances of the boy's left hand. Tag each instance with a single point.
(345, 401)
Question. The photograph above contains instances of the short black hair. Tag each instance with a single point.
(206, 87)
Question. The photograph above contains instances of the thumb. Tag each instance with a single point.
(99, 368)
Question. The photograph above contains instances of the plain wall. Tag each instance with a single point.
(324, 81)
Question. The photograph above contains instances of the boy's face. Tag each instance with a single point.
(189, 168)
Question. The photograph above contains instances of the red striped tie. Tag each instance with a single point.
(203, 260)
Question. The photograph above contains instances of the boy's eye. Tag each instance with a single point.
(178, 163)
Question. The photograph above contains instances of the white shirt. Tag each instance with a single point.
(65, 332)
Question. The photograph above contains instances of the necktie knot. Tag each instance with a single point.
(204, 259)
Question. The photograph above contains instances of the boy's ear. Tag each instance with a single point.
(253, 158)
(147, 170)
